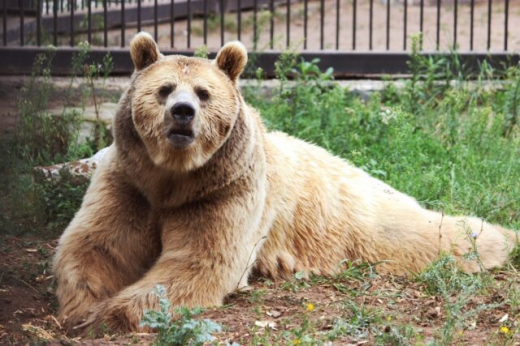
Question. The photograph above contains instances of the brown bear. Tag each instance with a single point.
(194, 194)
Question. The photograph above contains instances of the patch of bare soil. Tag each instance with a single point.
(270, 311)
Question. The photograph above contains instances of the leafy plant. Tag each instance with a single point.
(183, 330)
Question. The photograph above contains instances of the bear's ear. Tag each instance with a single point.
(232, 58)
(143, 50)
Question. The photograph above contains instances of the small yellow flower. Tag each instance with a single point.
(504, 329)
(388, 318)
(296, 342)
(310, 307)
(461, 332)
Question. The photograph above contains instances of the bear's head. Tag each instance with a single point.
(183, 109)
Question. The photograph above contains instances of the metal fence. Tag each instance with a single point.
(373, 36)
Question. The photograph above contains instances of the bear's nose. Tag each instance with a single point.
(183, 112)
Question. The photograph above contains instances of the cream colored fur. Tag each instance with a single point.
(198, 220)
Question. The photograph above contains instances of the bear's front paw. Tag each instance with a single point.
(92, 324)
(113, 314)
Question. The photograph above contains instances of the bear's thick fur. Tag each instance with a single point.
(194, 194)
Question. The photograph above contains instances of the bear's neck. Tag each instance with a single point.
(240, 157)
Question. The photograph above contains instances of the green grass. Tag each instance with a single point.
(454, 147)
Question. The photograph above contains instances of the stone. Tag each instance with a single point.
(77, 172)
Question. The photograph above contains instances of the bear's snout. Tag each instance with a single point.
(180, 120)
(183, 113)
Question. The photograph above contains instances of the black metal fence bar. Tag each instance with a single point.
(287, 22)
(305, 21)
(354, 25)
(322, 23)
(371, 24)
(471, 28)
(22, 20)
(4, 22)
(105, 29)
(188, 42)
(490, 3)
(222, 22)
(138, 15)
(172, 26)
(271, 23)
(421, 24)
(387, 24)
(255, 29)
(38, 24)
(438, 33)
(205, 21)
(89, 24)
(155, 26)
(455, 20)
(72, 23)
(405, 20)
(123, 23)
(506, 23)
(239, 20)
(55, 22)
(337, 23)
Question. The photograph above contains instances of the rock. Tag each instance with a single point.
(266, 324)
(274, 313)
(77, 172)
(433, 313)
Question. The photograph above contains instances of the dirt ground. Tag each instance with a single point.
(346, 32)
(28, 305)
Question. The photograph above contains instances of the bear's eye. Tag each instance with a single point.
(202, 94)
(166, 90)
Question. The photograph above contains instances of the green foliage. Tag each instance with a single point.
(93, 72)
(512, 101)
(184, 330)
(444, 277)
(438, 137)
(456, 288)
(514, 258)
(202, 52)
(358, 322)
(396, 336)
(33, 205)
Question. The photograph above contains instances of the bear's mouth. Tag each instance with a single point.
(180, 138)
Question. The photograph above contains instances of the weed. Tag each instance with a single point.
(297, 283)
(202, 52)
(396, 336)
(91, 73)
(514, 258)
(184, 330)
(257, 296)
